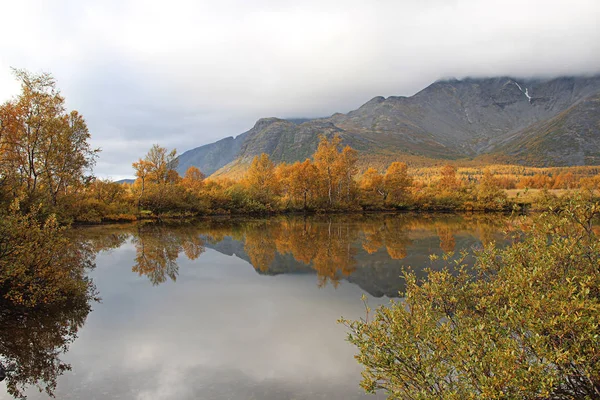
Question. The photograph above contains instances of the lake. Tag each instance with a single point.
(234, 308)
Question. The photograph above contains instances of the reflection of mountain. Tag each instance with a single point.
(379, 275)
(282, 264)
(376, 273)
(367, 250)
(379, 255)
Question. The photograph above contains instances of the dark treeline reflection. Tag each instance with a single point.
(368, 250)
(31, 344)
(33, 339)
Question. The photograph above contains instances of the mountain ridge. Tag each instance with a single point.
(513, 120)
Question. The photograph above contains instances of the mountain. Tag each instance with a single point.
(503, 119)
(211, 157)
(569, 138)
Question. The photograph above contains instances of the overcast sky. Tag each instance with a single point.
(183, 73)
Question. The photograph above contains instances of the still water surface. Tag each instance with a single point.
(245, 308)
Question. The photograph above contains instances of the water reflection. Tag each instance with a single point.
(31, 345)
(227, 307)
(370, 251)
(157, 248)
(33, 340)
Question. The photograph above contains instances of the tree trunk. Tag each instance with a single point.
(304, 200)
(139, 205)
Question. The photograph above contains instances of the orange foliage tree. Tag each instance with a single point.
(261, 180)
(396, 181)
(45, 152)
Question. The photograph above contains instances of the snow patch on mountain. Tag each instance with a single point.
(526, 92)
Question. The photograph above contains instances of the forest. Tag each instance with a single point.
(329, 182)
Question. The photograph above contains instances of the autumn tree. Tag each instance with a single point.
(301, 179)
(193, 179)
(161, 164)
(38, 264)
(11, 173)
(260, 179)
(372, 183)
(337, 169)
(158, 166)
(489, 194)
(564, 181)
(46, 152)
(326, 158)
(448, 179)
(590, 184)
(142, 169)
(103, 200)
(345, 168)
(396, 181)
(157, 180)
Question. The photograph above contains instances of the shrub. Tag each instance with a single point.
(522, 323)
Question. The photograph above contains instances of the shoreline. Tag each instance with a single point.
(258, 216)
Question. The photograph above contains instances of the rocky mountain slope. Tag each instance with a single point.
(570, 138)
(504, 119)
(211, 157)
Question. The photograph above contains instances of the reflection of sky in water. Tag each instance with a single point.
(221, 331)
(229, 330)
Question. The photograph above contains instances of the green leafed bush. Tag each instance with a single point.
(523, 323)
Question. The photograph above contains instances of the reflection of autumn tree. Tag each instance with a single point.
(391, 233)
(447, 240)
(157, 248)
(297, 237)
(101, 238)
(327, 248)
(486, 232)
(32, 342)
(373, 237)
(193, 248)
(260, 245)
(485, 227)
(335, 254)
(156, 254)
(107, 242)
(396, 237)
(215, 230)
